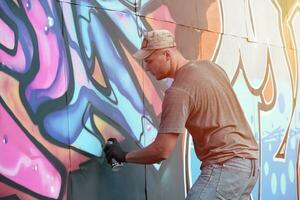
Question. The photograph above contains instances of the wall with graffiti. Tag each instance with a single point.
(68, 82)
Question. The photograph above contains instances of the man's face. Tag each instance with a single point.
(157, 64)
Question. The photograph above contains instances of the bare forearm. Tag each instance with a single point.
(147, 155)
(157, 151)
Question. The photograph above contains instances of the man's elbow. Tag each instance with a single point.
(164, 158)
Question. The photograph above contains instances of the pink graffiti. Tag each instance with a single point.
(15, 62)
(50, 80)
(9, 36)
(23, 163)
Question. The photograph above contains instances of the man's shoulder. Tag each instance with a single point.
(188, 68)
(198, 65)
(193, 68)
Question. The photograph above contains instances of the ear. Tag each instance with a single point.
(168, 54)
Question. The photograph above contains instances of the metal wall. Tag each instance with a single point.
(68, 82)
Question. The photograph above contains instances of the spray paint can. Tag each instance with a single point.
(115, 165)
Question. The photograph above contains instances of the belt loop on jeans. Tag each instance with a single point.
(253, 166)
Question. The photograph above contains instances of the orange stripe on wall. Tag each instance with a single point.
(209, 39)
(268, 91)
(98, 75)
(214, 17)
(106, 130)
(208, 44)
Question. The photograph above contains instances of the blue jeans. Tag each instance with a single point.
(232, 180)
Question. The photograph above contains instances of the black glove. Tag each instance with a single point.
(114, 150)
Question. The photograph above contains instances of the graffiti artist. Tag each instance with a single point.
(201, 100)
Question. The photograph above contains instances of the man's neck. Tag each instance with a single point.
(182, 62)
(178, 62)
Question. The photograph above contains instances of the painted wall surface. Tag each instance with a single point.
(68, 82)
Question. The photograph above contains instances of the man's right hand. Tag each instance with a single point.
(113, 149)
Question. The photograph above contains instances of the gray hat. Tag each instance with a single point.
(156, 39)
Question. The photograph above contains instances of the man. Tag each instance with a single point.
(200, 99)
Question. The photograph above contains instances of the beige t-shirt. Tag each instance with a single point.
(201, 99)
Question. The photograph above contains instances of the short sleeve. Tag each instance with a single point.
(175, 111)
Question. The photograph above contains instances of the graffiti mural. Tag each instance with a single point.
(68, 82)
